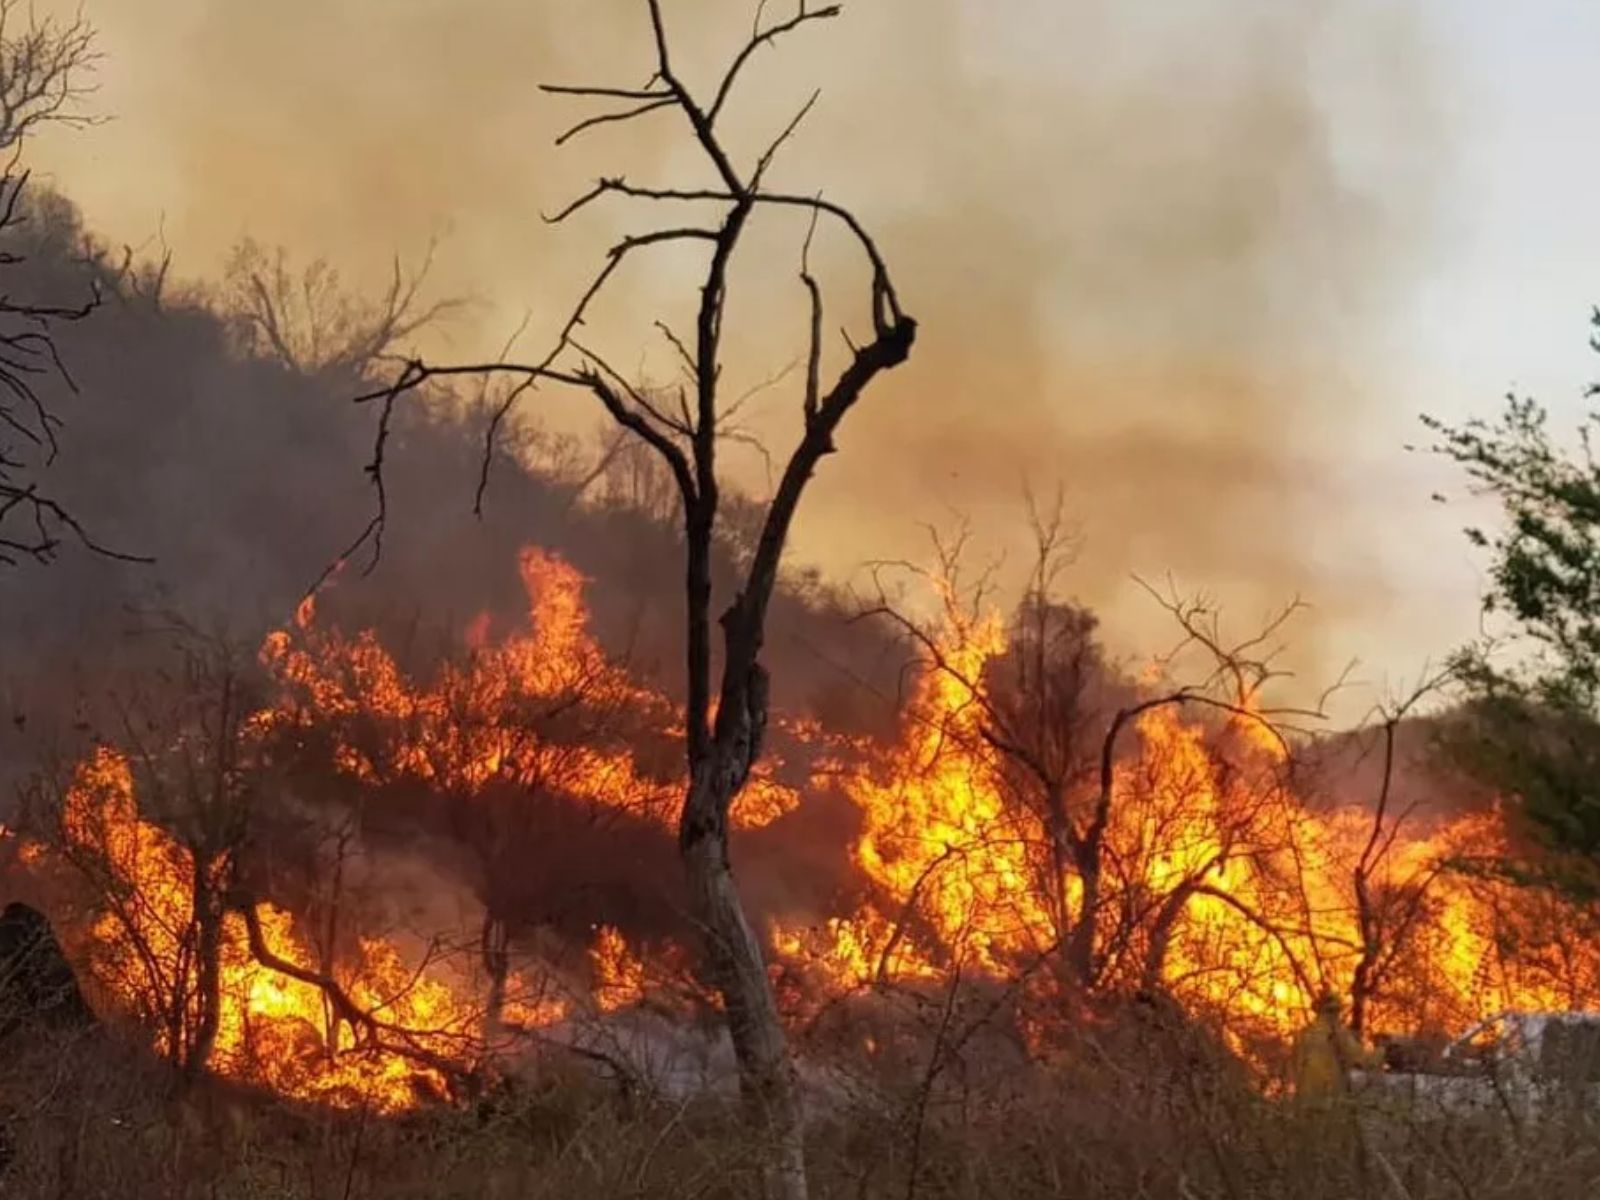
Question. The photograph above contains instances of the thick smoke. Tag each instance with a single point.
(1149, 251)
(242, 479)
(1145, 253)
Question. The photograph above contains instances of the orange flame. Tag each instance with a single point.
(1218, 882)
(1249, 893)
(271, 1029)
(619, 973)
(477, 722)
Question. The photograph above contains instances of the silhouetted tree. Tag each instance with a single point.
(43, 63)
(1531, 725)
(687, 429)
(310, 321)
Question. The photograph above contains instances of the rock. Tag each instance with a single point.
(37, 984)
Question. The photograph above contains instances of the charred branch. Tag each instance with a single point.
(43, 65)
(33, 523)
(720, 755)
(379, 1034)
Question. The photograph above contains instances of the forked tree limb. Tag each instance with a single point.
(691, 456)
(381, 1034)
(721, 753)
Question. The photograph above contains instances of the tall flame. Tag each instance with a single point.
(1243, 897)
(1216, 880)
(271, 1029)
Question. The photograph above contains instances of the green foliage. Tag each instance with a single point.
(1545, 760)
(1531, 729)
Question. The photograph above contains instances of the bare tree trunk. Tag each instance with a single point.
(1079, 947)
(497, 964)
(720, 765)
(208, 910)
(768, 1083)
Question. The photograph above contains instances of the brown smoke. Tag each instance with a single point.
(1150, 253)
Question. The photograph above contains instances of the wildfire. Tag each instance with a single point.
(938, 837)
(268, 1027)
(619, 975)
(531, 710)
(1215, 882)
(1192, 866)
(541, 711)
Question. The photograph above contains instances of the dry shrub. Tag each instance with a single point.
(1139, 1104)
(89, 1118)
(1120, 1113)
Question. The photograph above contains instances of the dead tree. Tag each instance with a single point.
(1055, 722)
(163, 824)
(1387, 910)
(308, 320)
(725, 719)
(192, 770)
(43, 63)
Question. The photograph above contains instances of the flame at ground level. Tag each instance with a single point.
(147, 951)
(1213, 880)
(1209, 878)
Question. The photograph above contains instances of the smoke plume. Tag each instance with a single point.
(1150, 253)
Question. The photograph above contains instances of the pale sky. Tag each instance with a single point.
(1509, 303)
(1504, 303)
(1352, 210)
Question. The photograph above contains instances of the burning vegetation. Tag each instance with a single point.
(401, 864)
(1164, 847)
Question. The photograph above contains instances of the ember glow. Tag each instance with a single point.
(1217, 881)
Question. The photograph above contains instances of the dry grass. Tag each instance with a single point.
(89, 1119)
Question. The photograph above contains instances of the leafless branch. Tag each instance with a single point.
(605, 93)
(33, 523)
(814, 351)
(308, 320)
(43, 62)
(891, 327)
(788, 132)
(380, 1033)
(683, 351)
(588, 123)
(765, 37)
(760, 388)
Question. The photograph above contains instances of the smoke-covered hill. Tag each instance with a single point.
(243, 478)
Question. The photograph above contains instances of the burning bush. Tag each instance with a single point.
(1000, 885)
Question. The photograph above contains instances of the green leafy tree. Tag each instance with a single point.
(1530, 727)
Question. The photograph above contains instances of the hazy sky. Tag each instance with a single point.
(1200, 262)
